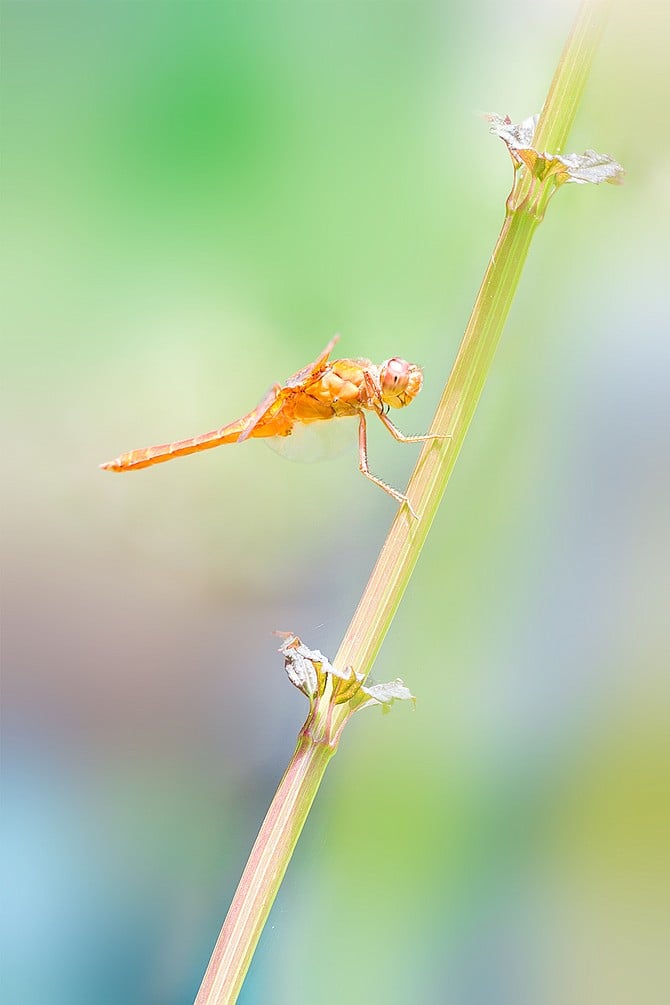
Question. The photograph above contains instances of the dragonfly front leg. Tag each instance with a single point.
(365, 470)
(397, 435)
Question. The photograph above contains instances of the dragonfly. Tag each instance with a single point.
(325, 389)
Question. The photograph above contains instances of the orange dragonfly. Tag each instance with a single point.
(326, 389)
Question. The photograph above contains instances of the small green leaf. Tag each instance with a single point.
(582, 169)
(346, 685)
(309, 670)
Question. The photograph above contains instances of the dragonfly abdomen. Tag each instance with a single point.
(134, 460)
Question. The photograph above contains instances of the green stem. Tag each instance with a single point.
(288, 812)
(403, 545)
(264, 873)
(574, 66)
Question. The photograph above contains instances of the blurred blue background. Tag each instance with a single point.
(196, 196)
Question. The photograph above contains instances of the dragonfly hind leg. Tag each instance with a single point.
(399, 497)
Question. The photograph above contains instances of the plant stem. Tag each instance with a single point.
(264, 872)
(402, 547)
(288, 811)
(574, 66)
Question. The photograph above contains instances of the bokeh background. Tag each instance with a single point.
(195, 197)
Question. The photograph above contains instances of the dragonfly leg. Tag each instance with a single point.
(365, 470)
(397, 435)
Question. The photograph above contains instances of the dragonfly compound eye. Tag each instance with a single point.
(400, 382)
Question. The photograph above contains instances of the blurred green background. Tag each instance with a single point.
(195, 197)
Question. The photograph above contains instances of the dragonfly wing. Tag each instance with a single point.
(260, 412)
(273, 402)
(314, 368)
(270, 418)
(310, 442)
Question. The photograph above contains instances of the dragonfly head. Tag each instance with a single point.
(400, 382)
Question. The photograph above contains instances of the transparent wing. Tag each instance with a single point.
(317, 441)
